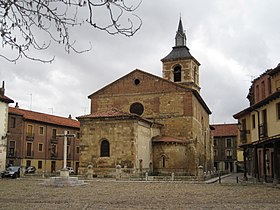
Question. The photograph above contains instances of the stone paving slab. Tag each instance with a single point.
(110, 194)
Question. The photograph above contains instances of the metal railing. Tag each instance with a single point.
(263, 130)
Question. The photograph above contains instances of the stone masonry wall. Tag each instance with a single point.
(125, 148)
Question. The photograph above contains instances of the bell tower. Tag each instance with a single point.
(179, 65)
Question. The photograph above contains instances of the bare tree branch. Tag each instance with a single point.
(23, 23)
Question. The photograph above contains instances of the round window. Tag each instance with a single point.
(136, 81)
(137, 108)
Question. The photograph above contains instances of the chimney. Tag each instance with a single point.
(70, 117)
(17, 106)
(2, 89)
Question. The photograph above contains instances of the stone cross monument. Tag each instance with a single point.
(64, 171)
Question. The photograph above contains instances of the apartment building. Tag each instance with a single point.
(33, 140)
(225, 147)
(259, 128)
(4, 102)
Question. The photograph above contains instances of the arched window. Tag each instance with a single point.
(163, 161)
(105, 149)
(177, 73)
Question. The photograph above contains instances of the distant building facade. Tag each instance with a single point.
(33, 142)
(4, 102)
(225, 147)
(143, 122)
(259, 132)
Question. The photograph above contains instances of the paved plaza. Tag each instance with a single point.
(30, 193)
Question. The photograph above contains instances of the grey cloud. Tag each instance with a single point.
(231, 39)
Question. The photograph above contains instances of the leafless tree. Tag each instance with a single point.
(23, 23)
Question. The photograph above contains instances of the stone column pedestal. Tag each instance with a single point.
(90, 172)
(64, 173)
(118, 172)
(200, 173)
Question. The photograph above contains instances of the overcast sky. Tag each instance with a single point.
(234, 40)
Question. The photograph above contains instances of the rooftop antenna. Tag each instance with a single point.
(51, 110)
(85, 110)
(30, 106)
(251, 76)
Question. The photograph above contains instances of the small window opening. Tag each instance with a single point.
(177, 73)
(105, 149)
(137, 108)
(136, 81)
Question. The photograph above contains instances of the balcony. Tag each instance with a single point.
(30, 137)
(54, 155)
(229, 157)
(12, 154)
(243, 136)
(263, 130)
(29, 154)
(54, 140)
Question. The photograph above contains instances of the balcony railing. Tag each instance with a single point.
(54, 155)
(243, 136)
(29, 154)
(263, 130)
(12, 154)
(30, 136)
(229, 157)
(54, 140)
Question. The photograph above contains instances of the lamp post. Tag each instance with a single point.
(257, 175)
(64, 171)
(245, 150)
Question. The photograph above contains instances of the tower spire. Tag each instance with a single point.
(180, 38)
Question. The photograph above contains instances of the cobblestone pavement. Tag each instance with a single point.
(29, 193)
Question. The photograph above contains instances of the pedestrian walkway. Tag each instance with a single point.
(232, 178)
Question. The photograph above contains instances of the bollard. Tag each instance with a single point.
(118, 172)
(90, 172)
(172, 176)
(237, 179)
(219, 178)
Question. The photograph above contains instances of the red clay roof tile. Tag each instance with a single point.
(225, 130)
(45, 118)
(108, 113)
(6, 99)
(168, 139)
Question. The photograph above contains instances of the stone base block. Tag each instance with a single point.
(63, 181)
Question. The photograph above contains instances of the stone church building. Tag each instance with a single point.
(143, 122)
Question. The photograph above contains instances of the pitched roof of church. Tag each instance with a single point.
(197, 95)
(114, 113)
(45, 118)
(109, 113)
(167, 139)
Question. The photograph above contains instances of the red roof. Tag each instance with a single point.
(116, 114)
(6, 99)
(108, 113)
(225, 130)
(168, 139)
(45, 118)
